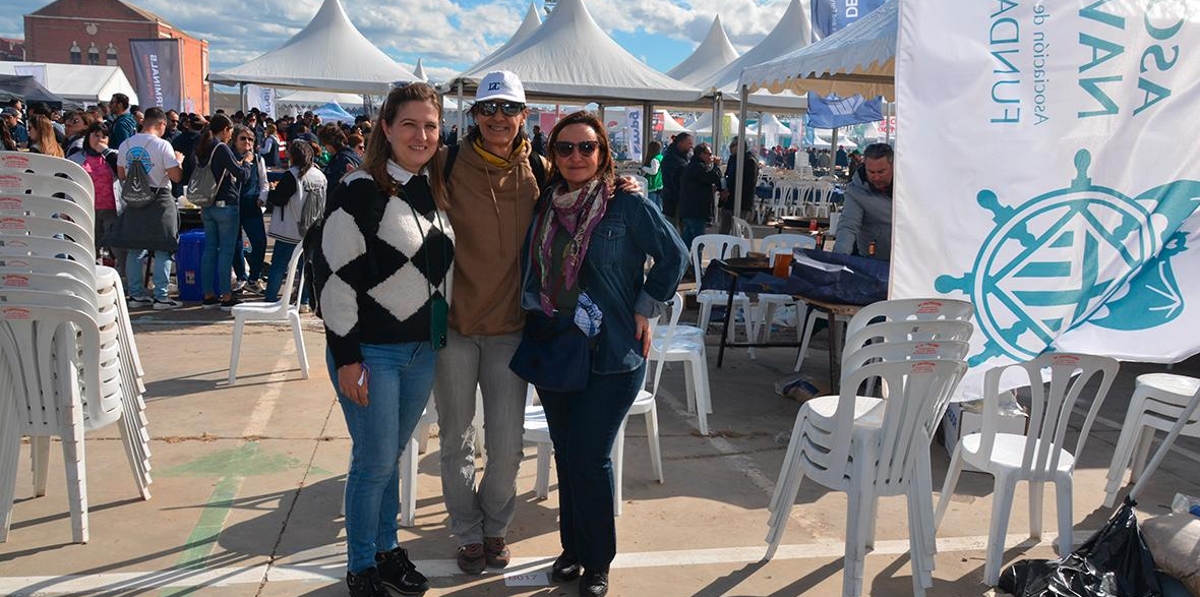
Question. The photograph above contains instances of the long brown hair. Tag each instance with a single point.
(47, 143)
(605, 168)
(379, 151)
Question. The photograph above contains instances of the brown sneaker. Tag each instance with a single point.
(496, 552)
(471, 558)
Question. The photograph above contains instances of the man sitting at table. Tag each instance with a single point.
(865, 227)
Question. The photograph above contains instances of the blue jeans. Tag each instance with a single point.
(256, 232)
(280, 256)
(400, 380)
(583, 426)
(656, 198)
(692, 227)
(134, 276)
(220, 233)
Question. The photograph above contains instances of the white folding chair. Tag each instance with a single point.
(36, 163)
(1161, 402)
(281, 310)
(870, 461)
(705, 248)
(690, 352)
(774, 245)
(1038, 457)
(742, 229)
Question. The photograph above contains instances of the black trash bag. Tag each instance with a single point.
(1114, 562)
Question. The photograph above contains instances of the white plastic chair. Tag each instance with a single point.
(705, 248)
(682, 331)
(36, 163)
(47, 207)
(280, 310)
(1038, 457)
(1161, 402)
(45, 185)
(871, 461)
(742, 229)
(46, 378)
(690, 352)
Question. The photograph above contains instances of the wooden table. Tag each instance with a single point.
(833, 310)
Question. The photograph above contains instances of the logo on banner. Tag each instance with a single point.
(1048, 265)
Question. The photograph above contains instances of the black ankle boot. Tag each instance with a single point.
(566, 568)
(594, 584)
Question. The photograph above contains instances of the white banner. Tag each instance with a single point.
(37, 71)
(262, 98)
(633, 133)
(1048, 173)
(797, 126)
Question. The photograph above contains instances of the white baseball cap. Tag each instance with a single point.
(500, 85)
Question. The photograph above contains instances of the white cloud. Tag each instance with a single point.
(448, 34)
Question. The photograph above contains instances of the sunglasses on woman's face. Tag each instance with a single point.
(250, 139)
(564, 149)
(509, 108)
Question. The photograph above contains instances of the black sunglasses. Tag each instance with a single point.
(509, 108)
(251, 139)
(564, 149)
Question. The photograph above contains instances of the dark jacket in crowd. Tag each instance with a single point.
(749, 180)
(185, 143)
(674, 162)
(342, 163)
(696, 190)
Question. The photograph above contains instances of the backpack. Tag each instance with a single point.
(535, 164)
(136, 190)
(314, 207)
(202, 187)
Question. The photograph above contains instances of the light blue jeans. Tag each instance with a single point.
(400, 380)
(161, 272)
(221, 226)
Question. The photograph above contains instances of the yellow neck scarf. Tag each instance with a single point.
(495, 160)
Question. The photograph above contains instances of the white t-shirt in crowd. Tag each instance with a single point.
(152, 150)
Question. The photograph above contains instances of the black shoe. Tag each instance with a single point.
(366, 584)
(230, 304)
(594, 584)
(211, 302)
(566, 568)
(399, 574)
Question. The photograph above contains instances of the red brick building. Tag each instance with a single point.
(98, 32)
(12, 50)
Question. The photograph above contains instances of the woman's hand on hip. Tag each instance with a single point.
(643, 332)
(353, 380)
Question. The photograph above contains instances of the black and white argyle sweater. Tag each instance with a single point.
(382, 264)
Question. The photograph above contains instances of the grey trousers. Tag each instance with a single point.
(465, 362)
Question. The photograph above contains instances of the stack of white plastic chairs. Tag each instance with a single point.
(68, 363)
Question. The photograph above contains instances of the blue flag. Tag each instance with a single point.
(830, 16)
(833, 111)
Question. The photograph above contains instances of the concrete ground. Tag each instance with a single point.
(248, 480)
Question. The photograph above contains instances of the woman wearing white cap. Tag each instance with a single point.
(494, 179)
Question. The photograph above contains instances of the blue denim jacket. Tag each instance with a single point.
(614, 275)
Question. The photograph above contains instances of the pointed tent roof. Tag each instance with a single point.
(858, 59)
(792, 32)
(569, 56)
(713, 53)
(419, 71)
(329, 54)
(532, 21)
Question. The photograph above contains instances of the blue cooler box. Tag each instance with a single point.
(187, 265)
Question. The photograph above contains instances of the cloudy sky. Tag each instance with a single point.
(449, 34)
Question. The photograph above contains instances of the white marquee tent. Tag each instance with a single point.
(858, 59)
(569, 56)
(528, 26)
(419, 71)
(82, 83)
(713, 53)
(792, 33)
(329, 54)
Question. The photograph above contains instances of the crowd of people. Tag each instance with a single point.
(439, 267)
(241, 149)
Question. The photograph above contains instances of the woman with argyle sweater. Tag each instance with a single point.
(386, 259)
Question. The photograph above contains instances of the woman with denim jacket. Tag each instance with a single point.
(588, 246)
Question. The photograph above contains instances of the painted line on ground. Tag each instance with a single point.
(203, 538)
(327, 564)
